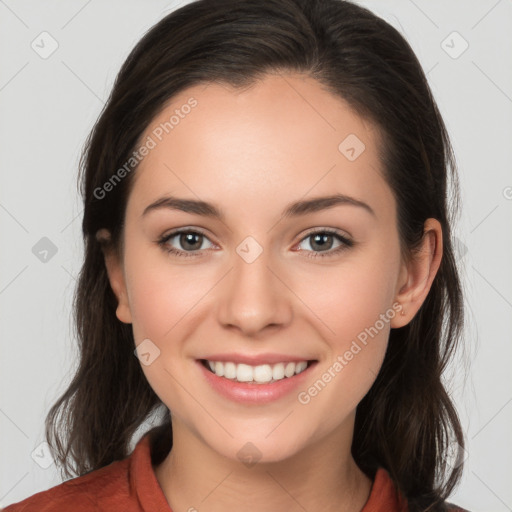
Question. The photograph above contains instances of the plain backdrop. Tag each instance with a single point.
(58, 61)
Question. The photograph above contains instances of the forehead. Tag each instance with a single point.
(285, 136)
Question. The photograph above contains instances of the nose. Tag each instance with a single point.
(254, 297)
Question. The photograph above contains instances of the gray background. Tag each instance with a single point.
(48, 105)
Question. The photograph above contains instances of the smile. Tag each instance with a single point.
(255, 380)
(260, 374)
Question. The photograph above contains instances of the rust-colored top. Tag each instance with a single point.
(130, 485)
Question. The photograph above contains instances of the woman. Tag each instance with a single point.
(267, 223)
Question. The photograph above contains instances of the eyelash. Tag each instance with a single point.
(346, 243)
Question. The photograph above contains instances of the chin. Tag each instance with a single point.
(254, 449)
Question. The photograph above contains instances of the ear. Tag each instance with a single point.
(417, 275)
(116, 277)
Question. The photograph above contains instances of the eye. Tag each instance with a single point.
(190, 241)
(322, 241)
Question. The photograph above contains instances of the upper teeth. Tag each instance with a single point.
(262, 373)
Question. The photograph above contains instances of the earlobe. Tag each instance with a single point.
(116, 276)
(417, 275)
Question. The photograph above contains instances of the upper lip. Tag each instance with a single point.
(256, 359)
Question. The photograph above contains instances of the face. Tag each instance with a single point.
(266, 277)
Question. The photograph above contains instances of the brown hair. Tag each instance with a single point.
(407, 420)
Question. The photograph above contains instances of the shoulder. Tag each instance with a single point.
(385, 497)
(112, 487)
(106, 485)
(450, 507)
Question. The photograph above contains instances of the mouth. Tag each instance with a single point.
(256, 374)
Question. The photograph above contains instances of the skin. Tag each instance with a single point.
(276, 140)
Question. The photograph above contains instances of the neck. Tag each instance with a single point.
(319, 478)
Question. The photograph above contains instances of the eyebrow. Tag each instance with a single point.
(295, 209)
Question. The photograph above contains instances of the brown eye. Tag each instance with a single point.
(324, 242)
(190, 241)
(182, 242)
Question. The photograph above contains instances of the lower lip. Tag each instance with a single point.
(250, 392)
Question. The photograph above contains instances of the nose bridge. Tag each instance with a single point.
(253, 297)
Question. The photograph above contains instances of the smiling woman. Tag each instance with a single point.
(280, 260)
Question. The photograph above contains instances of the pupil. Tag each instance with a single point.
(322, 238)
(188, 239)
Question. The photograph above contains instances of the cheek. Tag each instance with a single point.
(161, 294)
(358, 316)
(350, 297)
(353, 306)
(162, 298)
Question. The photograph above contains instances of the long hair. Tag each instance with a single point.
(407, 422)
